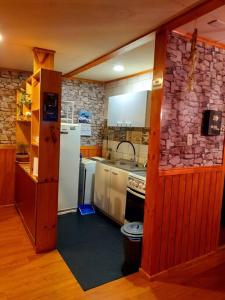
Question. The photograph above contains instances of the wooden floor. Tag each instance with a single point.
(27, 276)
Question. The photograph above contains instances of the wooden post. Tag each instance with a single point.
(152, 183)
(43, 58)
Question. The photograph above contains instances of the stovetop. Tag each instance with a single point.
(136, 181)
(139, 174)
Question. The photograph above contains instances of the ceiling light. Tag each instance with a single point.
(118, 68)
(1, 37)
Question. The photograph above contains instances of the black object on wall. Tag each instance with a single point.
(50, 107)
(211, 122)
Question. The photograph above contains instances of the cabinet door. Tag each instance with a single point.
(117, 106)
(128, 109)
(136, 109)
(117, 199)
(102, 184)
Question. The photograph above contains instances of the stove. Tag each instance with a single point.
(137, 181)
(135, 197)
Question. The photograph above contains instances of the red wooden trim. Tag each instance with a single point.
(190, 14)
(190, 268)
(189, 170)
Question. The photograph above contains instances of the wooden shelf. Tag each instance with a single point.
(35, 144)
(35, 110)
(44, 142)
(23, 121)
(26, 168)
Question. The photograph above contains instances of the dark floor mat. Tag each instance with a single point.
(92, 247)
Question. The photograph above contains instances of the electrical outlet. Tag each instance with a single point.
(189, 139)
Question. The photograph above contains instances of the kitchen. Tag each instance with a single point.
(124, 144)
(185, 168)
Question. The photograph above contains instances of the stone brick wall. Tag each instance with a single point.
(10, 81)
(78, 95)
(182, 110)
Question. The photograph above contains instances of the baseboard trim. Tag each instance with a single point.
(190, 268)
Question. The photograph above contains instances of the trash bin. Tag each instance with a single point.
(133, 233)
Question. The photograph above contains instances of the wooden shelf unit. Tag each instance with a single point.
(37, 194)
(23, 123)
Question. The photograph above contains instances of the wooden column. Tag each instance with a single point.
(43, 58)
(149, 255)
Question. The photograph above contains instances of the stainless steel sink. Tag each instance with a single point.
(124, 165)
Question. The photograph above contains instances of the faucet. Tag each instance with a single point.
(130, 144)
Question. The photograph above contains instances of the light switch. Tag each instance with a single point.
(189, 139)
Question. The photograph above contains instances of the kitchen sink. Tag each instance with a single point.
(124, 165)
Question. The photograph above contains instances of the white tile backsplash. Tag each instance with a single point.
(125, 151)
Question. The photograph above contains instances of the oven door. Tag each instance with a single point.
(134, 211)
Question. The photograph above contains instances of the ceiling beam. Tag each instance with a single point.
(196, 11)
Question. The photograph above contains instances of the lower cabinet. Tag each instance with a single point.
(110, 191)
(36, 203)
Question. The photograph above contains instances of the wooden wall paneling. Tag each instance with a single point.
(194, 195)
(173, 221)
(204, 213)
(90, 151)
(159, 209)
(186, 218)
(7, 174)
(189, 170)
(217, 209)
(199, 214)
(149, 252)
(165, 221)
(180, 219)
(210, 212)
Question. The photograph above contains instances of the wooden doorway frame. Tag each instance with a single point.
(152, 182)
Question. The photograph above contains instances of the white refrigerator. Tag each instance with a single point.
(69, 167)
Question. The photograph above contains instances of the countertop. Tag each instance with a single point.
(124, 165)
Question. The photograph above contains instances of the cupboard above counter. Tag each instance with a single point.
(129, 110)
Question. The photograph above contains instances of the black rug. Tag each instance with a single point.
(92, 247)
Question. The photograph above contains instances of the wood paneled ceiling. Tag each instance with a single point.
(78, 30)
(214, 32)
